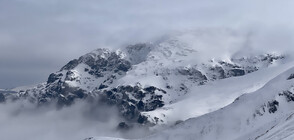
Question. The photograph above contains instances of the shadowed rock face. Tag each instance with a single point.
(98, 66)
(131, 100)
(236, 72)
(2, 98)
(218, 72)
(273, 106)
(290, 77)
(70, 65)
(193, 74)
(53, 77)
(289, 95)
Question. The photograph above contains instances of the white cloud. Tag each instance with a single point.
(39, 35)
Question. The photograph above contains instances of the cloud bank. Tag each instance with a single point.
(23, 120)
(37, 37)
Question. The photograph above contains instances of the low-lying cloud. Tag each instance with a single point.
(23, 120)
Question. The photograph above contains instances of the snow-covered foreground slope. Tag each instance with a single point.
(282, 131)
(215, 95)
(251, 116)
(261, 115)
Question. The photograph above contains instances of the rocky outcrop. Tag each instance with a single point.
(2, 98)
(131, 100)
(290, 77)
(272, 106)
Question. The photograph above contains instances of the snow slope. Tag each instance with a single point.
(215, 95)
(255, 115)
(266, 113)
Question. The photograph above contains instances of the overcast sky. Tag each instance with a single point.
(37, 37)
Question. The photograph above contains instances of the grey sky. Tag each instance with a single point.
(38, 37)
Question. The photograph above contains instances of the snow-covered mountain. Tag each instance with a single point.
(228, 94)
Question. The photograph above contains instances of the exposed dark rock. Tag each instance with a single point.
(183, 87)
(80, 93)
(272, 106)
(87, 59)
(223, 63)
(100, 65)
(217, 72)
(193, 74)
(129, 100)
(270, 58)
(69, 76)
(142, 119)
(154, 104)
(156, 119)
(251, 69)
(102, 86)
(139, 95)
(130, 112)
(236, 72)
(124, 66)
(63, 93)
(290, 77)
(140, 105)
(2, 98)
(129, 88)
(70, 65)
(289, 95)
(150, 89)
(163, 91)
(178, 122)
(53, 77)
